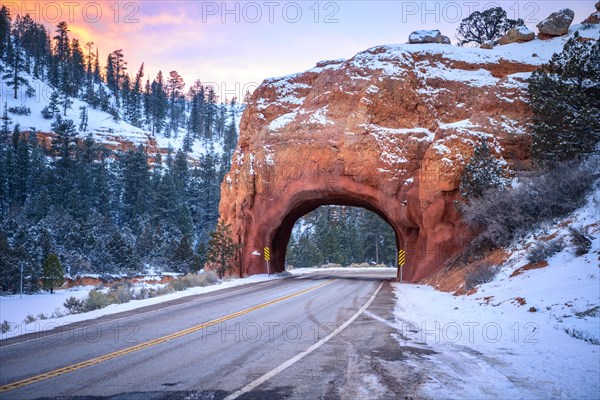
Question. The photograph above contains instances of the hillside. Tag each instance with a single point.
(115, 134)
(111, 171)
(531, 332)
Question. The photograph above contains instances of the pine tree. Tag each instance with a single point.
(115, 72)
(482, 172)
(83, 118)
(52, 108)
(231, 135)
(19, 187)
(565, 99)
(52, 273)
(5, 129)
(174, 88)
(15, 61)
(137, 197)
(61, 40)
(158, 105)
(65, 141)
(210, 113)
(222, 251)
(5, 162)
(184, 259)
(65, 102)
(4, 30)
(77, 73)
(123, 257)
(197, 109)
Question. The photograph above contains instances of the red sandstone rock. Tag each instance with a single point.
(388, 130)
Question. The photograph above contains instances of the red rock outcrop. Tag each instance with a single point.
(388, 130)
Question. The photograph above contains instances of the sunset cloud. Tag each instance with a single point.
(240, 43)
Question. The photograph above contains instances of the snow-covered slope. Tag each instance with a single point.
(526, 334)
(103, 127)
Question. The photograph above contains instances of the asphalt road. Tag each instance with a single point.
(309, 336)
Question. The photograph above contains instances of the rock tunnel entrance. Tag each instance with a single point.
(341, 235)
(281, 235)
(267, 221)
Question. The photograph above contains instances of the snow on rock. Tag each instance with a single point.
(519, 34)
(424, 36)
(557, 23)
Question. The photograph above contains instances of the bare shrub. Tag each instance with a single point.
(359, 265)
(29, 319)
(5, 327)
(193, 280)
(542, 251)
(120, 294)
(581, 335)
(73, 305)
(95, 300)
(331, 265)
(484, 272)
(501, 215)
(580, 241)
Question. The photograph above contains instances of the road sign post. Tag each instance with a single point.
(267, 253)
(401, 260)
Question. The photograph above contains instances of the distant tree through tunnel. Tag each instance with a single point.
(341, 235)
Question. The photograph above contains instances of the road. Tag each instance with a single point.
(321, 335)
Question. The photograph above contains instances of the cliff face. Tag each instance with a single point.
(389, 130)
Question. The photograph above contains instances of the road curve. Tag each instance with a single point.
(260, 340)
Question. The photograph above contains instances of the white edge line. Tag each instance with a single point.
(259, 381)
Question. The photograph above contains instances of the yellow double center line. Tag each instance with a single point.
(150, 343)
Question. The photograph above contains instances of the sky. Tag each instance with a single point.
(235, 45)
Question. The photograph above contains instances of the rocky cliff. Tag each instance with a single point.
(390, 130)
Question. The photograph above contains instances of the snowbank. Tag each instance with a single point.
(14, 310)
(535, 334)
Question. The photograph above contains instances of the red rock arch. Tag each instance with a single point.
(373, 132)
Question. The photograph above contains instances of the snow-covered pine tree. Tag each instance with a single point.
(83, 118)
(482, 172)
(16, 66)
(65, 141)
(565, 99)
(174, 88)
(4, 30)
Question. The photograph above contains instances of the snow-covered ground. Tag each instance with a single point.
(489, 345)
(103, 127)
(14, 309)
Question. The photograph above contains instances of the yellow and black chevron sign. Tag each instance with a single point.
(267, 253)
(401, 257)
